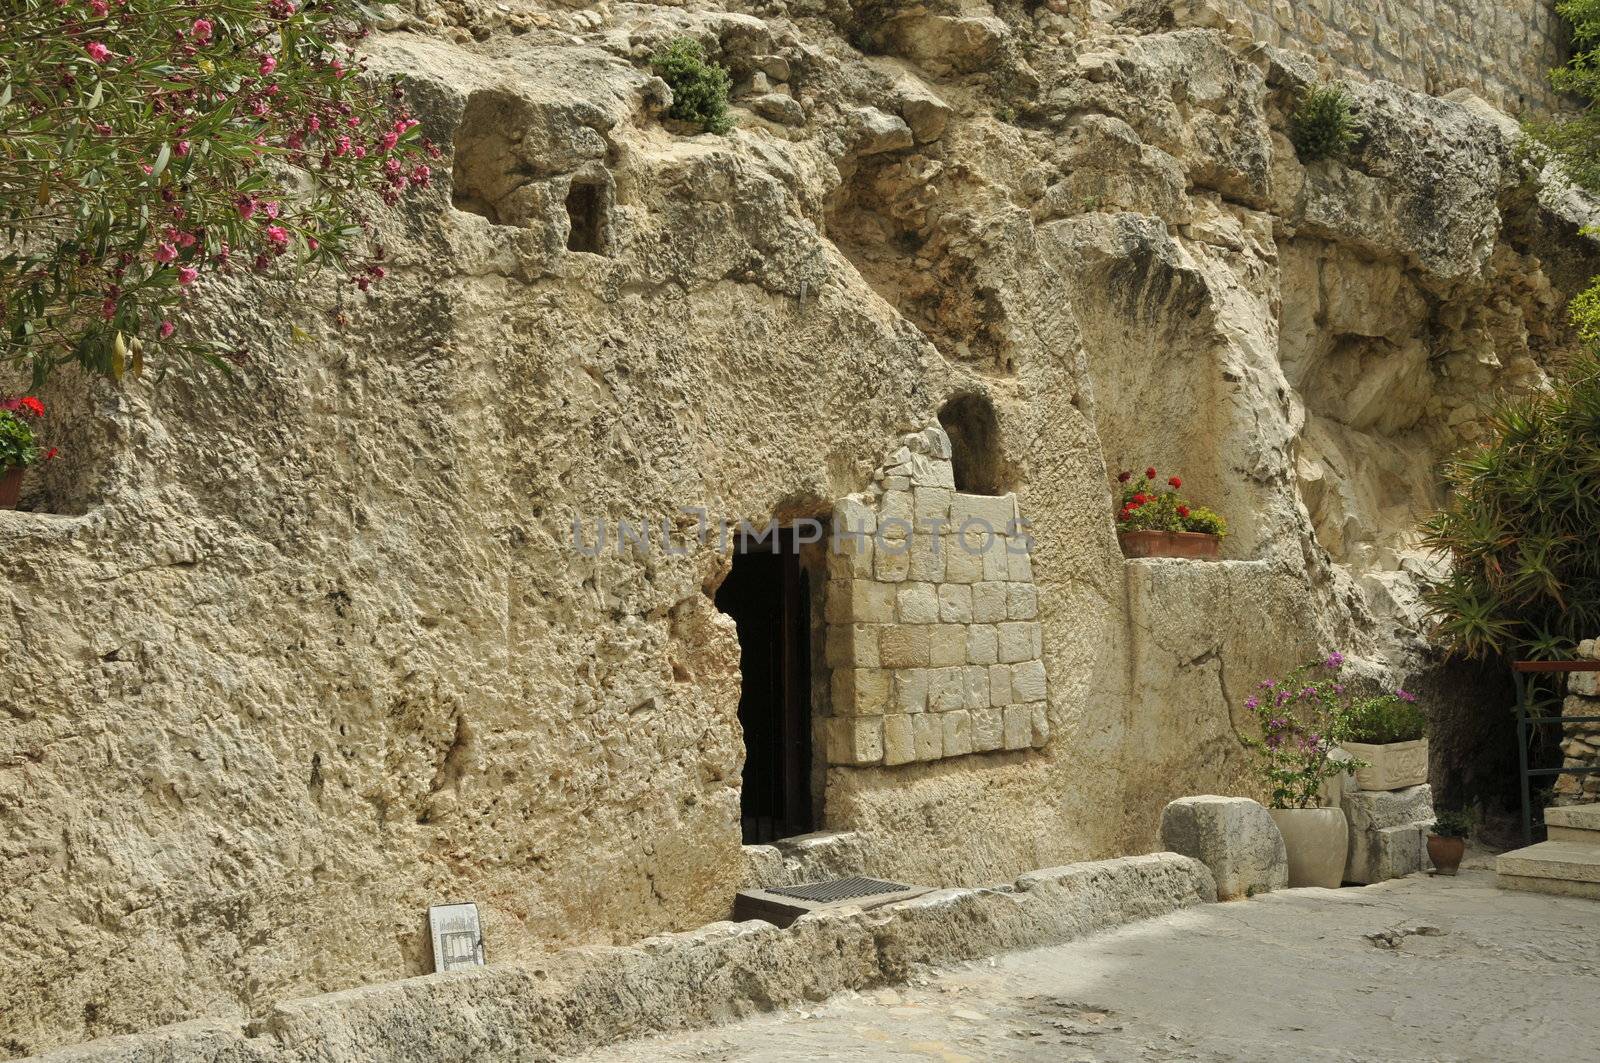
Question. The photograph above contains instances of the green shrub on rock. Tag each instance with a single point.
(1519, 529)
(699, 87)
(1323, 125)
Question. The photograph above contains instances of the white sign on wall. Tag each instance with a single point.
(457, 937)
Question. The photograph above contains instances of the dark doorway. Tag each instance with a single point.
(974, 431)
(769, 598)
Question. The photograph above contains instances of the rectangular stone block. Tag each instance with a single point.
(860, 691)
(988, 729)
(1000, 685)
(976, 686)
(1019, 641)
(996, 563)
(1019, 564)
(852, 646)
(957, 733)
(891, 560)
(988, 602)
(1018, 727)
(850, 558)
(930, 505)
(917, 603)
(1040, 715)
(927, 558)
(961, 565)
(947, 645)
(903, 646)
(955, 603)
(899, 740)
(1028, 682)
(983, 645)
(895, 506)
(947, 689)
(996, 511)
(910, 690)
(929, 732)
(858, 601)
(855, 741)
(1022, 601)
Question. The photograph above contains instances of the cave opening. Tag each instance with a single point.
(974, 430)
(768, 595)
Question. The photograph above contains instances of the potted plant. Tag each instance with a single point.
(19, 445)
(1297, 717)
(1155, 521)
(1447, 841)
(1389, 732)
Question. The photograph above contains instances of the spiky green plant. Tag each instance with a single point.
(699, 87)
(1323, 124)
(1522, 527)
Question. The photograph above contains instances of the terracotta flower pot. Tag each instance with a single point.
(1391, 766)
(1318, 842)
(10, 487)
(1196, 545)
(1446, 853)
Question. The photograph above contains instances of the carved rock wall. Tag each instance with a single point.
(287, 657)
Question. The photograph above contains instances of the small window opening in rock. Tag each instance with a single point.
(586, 213)
(491, 174)
(974, 431)
(768, 595)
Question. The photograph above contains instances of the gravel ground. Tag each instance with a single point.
(1416, 969)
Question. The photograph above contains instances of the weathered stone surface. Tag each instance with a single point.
(320, 632)
(586, 997)
(1388, 832)
(1234, 837)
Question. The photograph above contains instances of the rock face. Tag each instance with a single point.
(288, 656)
(1580, 741)
(1234, 837)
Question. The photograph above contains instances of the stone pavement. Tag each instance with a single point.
(1413, 969)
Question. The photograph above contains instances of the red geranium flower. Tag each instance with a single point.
(1150, 473)
(1175, 481)
(32, 405)
(1183, 511)
(1141, 498)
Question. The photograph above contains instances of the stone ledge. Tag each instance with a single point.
(581, 998)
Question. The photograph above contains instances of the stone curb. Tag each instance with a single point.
(583, 998)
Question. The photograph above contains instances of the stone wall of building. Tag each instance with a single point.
(933, 633)
(1580, 742)
(1501, 50)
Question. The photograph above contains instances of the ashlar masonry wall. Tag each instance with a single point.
(1502, 50)
(932, 619)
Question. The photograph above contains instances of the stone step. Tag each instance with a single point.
(1573, 823)
(1568, 868)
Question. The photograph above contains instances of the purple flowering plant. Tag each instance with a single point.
(1301, 718)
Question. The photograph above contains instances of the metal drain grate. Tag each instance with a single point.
(839, 889)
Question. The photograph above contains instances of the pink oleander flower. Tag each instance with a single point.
(268, 65)
(187, 274)
(97, 51)
(165, 253)
(278, 235)
(166, 329)
(201, 30)
(246, 207)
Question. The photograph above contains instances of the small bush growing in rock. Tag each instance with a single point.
(699, 87)
(1573, 138)
(1384, 719)
(1323, 125)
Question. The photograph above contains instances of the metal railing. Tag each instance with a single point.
(1526, 722)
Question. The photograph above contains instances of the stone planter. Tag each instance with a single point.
(1446, 853)
(1318, 842)
(1392, 766)
(1195, 545)
(10, 487)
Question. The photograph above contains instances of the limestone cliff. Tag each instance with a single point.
(290, 656)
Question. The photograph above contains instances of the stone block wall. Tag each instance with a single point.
(1580, 742)
(1499, 49)
(933, 640)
